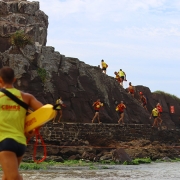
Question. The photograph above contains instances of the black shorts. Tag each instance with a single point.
(144, 104)
(155, 117)
(122, 77)
(104, 69)
(120, 112)
(9, 144)
(96, 110)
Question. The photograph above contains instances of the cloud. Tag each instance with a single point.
(141, 36)
(101, 8)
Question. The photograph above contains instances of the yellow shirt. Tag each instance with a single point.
(155, 112)
(121, 73)
(59, 101)
(103, 64)
(12, 118)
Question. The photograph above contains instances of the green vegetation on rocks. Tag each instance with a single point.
(91, 165)
(42, 74)
(20, 39)
(164, 93)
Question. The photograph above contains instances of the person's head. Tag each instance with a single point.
(158, 104)
(115, 73)
(120, 69)
(130, 83)
(121, 102)
(102, 60)
(7, 75)
(98, 100)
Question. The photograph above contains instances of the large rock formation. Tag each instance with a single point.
(48, 74)
(22, 15)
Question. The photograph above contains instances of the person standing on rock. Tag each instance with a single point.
(131, 89)
(160, 110)
(97, 105)
(104, 66)
(122, 75)
(143, 100)
(155, 115)
(59, 109)
(120, 108)
(12, 121)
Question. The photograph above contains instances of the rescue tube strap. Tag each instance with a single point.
(55, 106)
(14, 98)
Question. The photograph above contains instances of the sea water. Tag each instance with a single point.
(153, 171)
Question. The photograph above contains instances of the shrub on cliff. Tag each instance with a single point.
(20, 39)
(171, 95)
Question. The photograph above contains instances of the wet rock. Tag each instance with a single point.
(74, 157)
(89, 156)
(120, 155)
(106, 157)
(54, 158)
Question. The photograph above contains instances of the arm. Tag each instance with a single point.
(31, 101)
(124, 75)
(150, 116)
(34, 104)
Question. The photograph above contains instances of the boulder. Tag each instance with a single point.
(119, 155)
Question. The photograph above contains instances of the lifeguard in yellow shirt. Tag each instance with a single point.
(104, 66)
(12, 122)
(122, 75)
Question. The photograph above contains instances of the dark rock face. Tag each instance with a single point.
(77, 83)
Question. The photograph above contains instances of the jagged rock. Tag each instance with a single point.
(74, 157)
(119, 155)
(106, 157)
(22, 15)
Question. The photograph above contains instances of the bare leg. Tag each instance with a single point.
(121, 118)
(96, 114)
(10, 164)
(60, 116)
(98, 119)
(55, 117)
(154, 123)
(159, 122)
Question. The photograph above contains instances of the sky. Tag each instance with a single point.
(141, 37)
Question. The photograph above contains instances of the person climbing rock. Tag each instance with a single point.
(118, 78)
(131, 89)
(120, 108)
(104, 66)
(122, 75)
(97, 105)
(143, 100)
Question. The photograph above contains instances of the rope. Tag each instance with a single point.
(38, 136)
(101, 147)
(35, 147)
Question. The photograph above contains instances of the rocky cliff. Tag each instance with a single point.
(48, 74)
